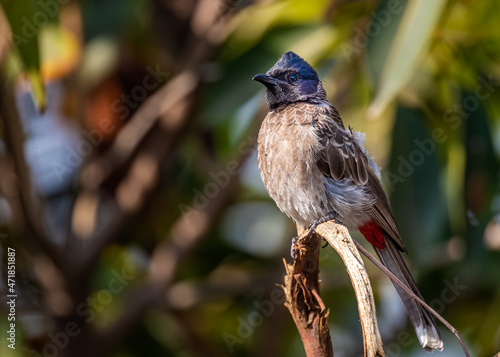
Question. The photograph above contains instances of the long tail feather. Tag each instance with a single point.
(421, 319)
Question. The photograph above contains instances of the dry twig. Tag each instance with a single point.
(302, 291)
(339, 238)
(303, 299)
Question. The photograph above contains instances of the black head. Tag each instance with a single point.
(291, 80)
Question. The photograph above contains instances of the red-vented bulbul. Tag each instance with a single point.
(313, 167)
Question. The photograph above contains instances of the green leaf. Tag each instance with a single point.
(37, 88)
(26, 18)
(413, 181)
(415, 30)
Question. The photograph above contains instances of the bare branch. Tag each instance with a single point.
(169, 110)
(183, 237)
(303, 300)
(139, 125)
(302, 292)
(29, 199)
(339, 238)
(163, 101)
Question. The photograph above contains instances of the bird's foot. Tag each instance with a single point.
(294, 246)
(328, 217)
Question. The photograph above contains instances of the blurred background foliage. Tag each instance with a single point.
(130, 190)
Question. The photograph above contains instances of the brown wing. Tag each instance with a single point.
(344, 158)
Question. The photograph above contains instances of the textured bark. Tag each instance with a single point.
(303, 299)
(339, 238)
(302, 292)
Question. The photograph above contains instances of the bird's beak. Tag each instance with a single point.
(266, 80)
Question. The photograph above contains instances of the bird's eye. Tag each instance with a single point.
(293, 77)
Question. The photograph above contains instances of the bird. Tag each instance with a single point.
(317, 170)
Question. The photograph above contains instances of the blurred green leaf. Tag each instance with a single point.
(252, 25)
(418, 22)
(413, 181)
(389, 19)
(37, 87)
(26, 18)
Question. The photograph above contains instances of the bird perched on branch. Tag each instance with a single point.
(317, 170)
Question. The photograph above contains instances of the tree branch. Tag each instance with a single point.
(183, 237)
(29, 199)
(302, 292)
(339, 238)
(303, 299)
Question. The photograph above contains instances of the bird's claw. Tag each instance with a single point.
(331, 216)
(328, 217)
(294, 247)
